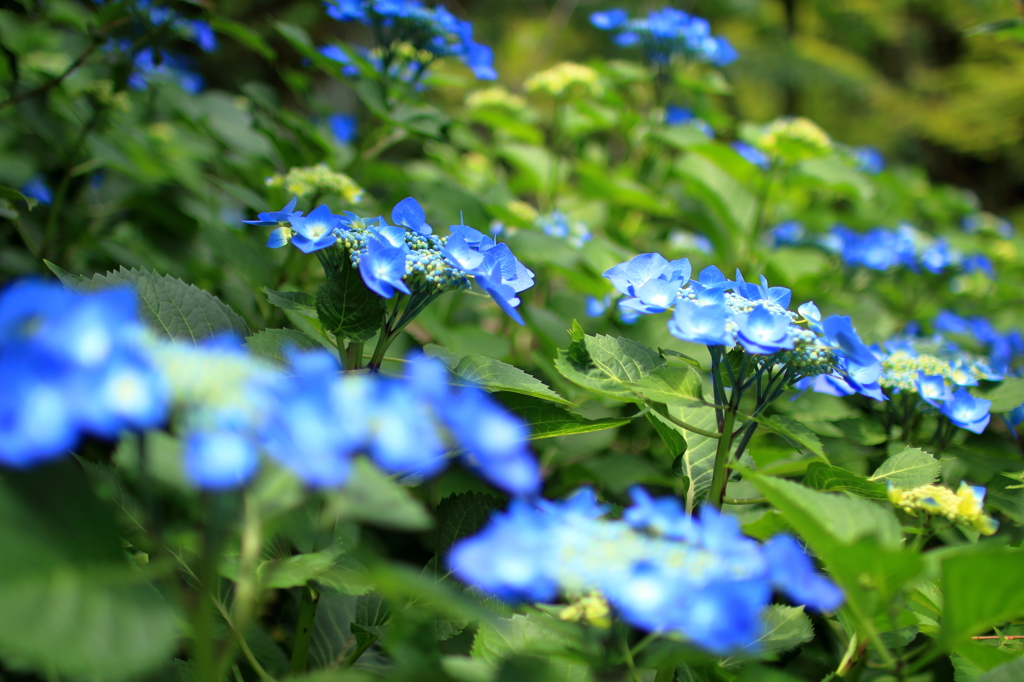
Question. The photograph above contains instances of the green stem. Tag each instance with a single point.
(744, 500)
(721, 472)
(247, 588)
(50, 237)
(303, 630)
(628, 655)
(360, 649)
(354, 356)
(204, 655)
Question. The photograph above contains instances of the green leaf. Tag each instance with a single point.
(372, 497)
(733, 202)
(72, 606)
(272, 343)
(828, 478)
(244, 35)
(698, 461)
(460, 515)
(1007, 672)
(348, 309)
(495, 375)
(178, 310)
(297, 36)
(291, 300)
(795, 433)
(12, 194)
(547, 420)
(534, 634)
(982, 587)
(671, 385)
(1007, 396)
(908, 469)
(785, 628)
(836, 174)
(827, 518)
(67, 279)
(607, 365)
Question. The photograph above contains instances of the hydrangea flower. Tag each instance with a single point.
(868, 159)
(666, 33)
(72, 364)
(556, 224)
(37, 189)
(344, 127)
(658, 568)
(752, 154)
(425, 33)
(406, 257)
(678, 116)
(723, 313)
(964, 507)
(966, 411)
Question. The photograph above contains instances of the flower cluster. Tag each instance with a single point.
(1004, 349)
(792, 140)
(409, 32)
(963, 507)
(987, 222)
(405, 257)
(319, 178)
(719, 312)
(561, 78)
(495, 97)
(659, 568)
(77, 365)
(72, 365)
(885, 249)
(556, 224)
(665, 33)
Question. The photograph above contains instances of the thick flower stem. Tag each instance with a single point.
(721, 471)
(303, 630)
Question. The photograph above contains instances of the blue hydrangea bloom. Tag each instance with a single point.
(666, 33)
(219, 460)
(596, 307)
(37, 189)
(869, 160)
(275, 218)
(343, 127)
(762, 332)
(677, 116)
(316, 230)
(788, 233)
(660, 569)
(967, 412)
(706, 324)
(383, 267)
(933, 389)
(752, 154)
(409, 214)
(335, 53)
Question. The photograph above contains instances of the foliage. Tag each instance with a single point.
(544, 369)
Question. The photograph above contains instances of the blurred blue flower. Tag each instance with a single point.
(337, 54)
(933, 389)
(676, 116)
(37, 189)
(752, 154)
(788, 233)
(344, 127)
(967, 412)
(869, 159)
(596, 307)
(665, 33)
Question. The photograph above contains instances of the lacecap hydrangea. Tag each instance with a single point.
(725, 314)
(406, 257)
(660, 569)
(666, 33)
(79, 365)
(416, 34)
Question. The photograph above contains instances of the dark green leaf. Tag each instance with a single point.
(547, 420)
(460, 515)
(794, 432)
(12, 194)
(495, 375)
(244, 35)
(1007, 396)
(273, 343)
(827, 478)
(372, 497)
(178, 310)
(291, 300)
(698, 460)
(348, 309)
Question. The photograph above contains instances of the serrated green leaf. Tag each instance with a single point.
(794, 432)
(827, 478)
(608, 365)
(982, 587)
(460, 515)
(272, 343)
(1007, 396)
(908, 469)
(671, 385)
(291, 300)
(495, 375)
(784, 628)
(348, 309)
(178, 310)
(67, 279)
(547, 420)
(698, 460)
(534, 634)
(372, 497)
